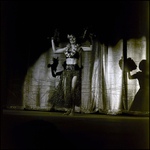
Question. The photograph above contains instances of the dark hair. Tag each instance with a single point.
(143, 65)
(76, 34)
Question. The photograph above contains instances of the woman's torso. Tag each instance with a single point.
(72, 56)
(71, 61)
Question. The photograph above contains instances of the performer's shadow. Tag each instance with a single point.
(141, 99)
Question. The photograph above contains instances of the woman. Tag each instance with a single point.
(71, 74)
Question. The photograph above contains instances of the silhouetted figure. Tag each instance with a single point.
(53, 66)
(141, 100)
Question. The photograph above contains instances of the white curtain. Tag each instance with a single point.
(106, 78)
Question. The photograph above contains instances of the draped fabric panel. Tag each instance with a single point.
(102, 78)
(106, 80)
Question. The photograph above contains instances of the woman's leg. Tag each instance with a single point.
(73, 86)
(67, 93)
(64, 87)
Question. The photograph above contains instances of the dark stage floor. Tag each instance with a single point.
(35, 129)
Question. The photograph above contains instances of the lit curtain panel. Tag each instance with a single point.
(39, 84)
(114, 78)
(106, 78)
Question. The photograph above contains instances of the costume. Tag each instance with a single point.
(63, 96)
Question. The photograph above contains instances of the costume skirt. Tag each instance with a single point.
(63, 96)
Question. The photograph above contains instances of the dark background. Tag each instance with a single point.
(25, 26)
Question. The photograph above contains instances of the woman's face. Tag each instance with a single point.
(72, 39)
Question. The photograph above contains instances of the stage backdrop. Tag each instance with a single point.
(102, 78)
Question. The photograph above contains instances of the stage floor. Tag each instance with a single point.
(37, 129)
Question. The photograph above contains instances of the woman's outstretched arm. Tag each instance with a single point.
(134, 76)
(87, 48)
(57, 50)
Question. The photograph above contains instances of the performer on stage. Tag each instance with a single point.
(69, 88)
